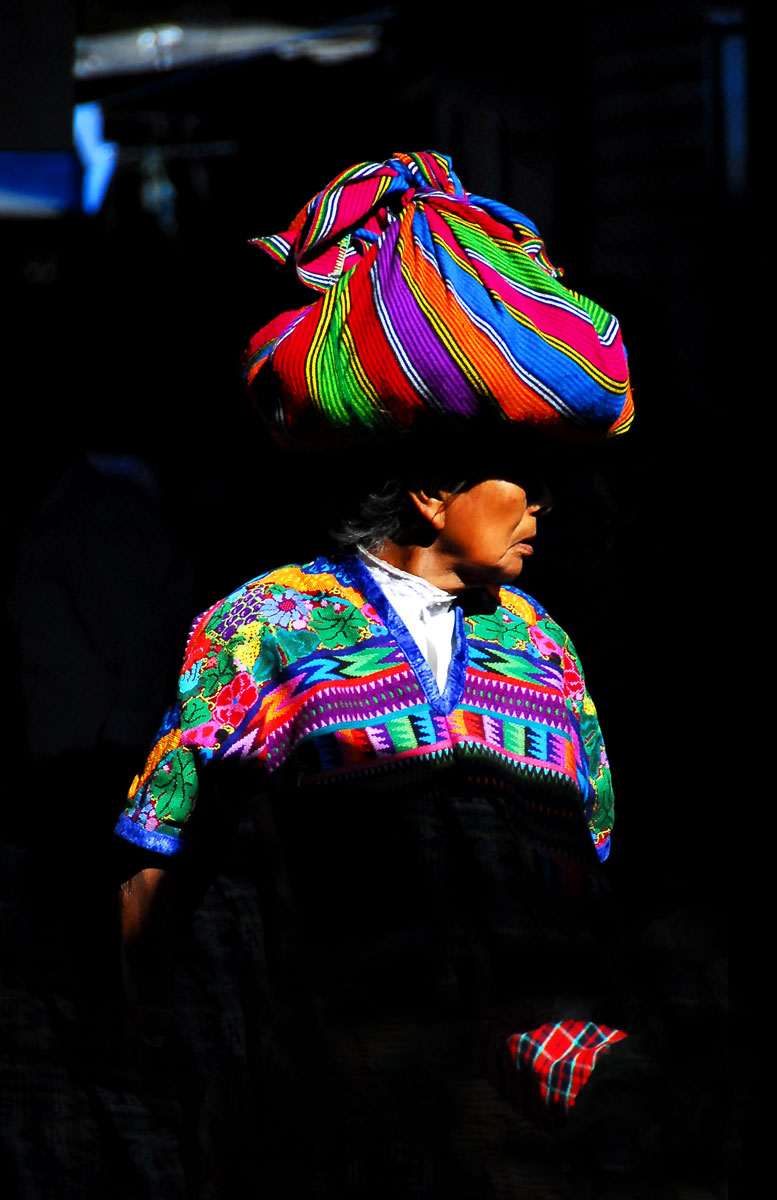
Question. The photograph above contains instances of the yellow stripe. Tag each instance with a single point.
(462, 262)
(606, 382)
(625, 420)
(529, 324)
(448, 340)
(319, 337)
(314, 353)
(507, 244)
(364, 382)
(355, 363)
(383, 187)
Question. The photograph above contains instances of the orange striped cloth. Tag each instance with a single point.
(429, 300)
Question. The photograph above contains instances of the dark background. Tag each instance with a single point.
(611, 127)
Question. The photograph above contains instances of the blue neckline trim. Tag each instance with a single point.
(454, 689)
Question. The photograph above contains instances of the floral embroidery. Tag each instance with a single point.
(202, 735)
(249, 644)
(287, 609)
(268, 670)
(546, 646)
(573, 683)
(234, 700)
(501, 627)
(163, 746)
(189, 679)
(369, 612)
(338, 624)
(243, 612)
(198, 649)
(147, 818)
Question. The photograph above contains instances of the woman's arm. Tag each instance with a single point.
(154, 903)
(147, 908)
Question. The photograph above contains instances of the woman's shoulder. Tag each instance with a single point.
(522, 604)
(530, 620)
(305, 578)
(282, 598)
(524, 609)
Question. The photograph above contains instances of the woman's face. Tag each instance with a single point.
(486, 531)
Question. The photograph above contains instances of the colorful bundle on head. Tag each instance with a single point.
(434, 301)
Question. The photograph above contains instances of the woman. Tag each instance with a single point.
(409, 731)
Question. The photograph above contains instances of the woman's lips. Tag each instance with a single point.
(524, 547)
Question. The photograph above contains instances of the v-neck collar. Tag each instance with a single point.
(442, 702)
(426, 594)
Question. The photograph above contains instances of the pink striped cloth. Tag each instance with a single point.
(428, 300)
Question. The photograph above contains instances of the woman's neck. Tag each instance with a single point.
(424, 561)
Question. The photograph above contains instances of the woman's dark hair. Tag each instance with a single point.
(386, 514)
(376, 506)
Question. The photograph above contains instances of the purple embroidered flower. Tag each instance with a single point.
(230, 625)
(242, 611)
(287, 609)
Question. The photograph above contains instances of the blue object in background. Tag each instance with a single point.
(98, 158)
(48, 183)
(39, 183)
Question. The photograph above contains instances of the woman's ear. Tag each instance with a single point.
(431, 507)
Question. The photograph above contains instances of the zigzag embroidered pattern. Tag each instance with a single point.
(298, 676)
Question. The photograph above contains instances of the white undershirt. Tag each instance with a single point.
(426, 610)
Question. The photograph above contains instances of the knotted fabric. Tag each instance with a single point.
(433, 302)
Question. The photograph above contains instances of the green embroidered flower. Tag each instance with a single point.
(218, 672)
(175, 786)
(502, 627)
(337, 624)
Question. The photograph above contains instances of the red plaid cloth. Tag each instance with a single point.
(558, 1059)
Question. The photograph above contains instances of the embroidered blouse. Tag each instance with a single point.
(427, 611)
(308, 676)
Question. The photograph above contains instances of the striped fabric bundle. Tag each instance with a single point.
(433, 301)
(558, 1060)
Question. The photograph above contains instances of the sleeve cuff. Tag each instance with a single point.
(149, 839)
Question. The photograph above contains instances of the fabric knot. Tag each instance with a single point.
(431, 300)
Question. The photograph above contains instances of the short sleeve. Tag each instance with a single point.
(596, 781)
(224, 670)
